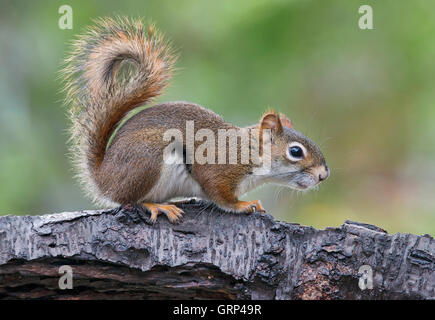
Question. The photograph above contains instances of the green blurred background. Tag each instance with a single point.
(365, 96)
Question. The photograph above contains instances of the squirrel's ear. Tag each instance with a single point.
(285, 121)
(271, 121)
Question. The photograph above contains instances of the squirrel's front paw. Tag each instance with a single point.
(249, 207)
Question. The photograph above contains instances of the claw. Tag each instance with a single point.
(154, 214)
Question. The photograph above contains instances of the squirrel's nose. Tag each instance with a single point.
(324, 174)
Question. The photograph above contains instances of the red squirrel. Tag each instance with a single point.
(121, 64)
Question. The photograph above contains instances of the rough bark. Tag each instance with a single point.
(211, 254)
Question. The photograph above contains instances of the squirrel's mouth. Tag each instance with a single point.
(301, 180)
(307, 182)
(301, 185)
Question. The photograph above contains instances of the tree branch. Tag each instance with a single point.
(210, 255)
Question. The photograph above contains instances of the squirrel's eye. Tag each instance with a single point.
(296, 151)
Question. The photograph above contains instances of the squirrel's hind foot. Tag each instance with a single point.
(171, 211)
(148, 212)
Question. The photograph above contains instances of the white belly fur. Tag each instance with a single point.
(175, 181)
(251, 182)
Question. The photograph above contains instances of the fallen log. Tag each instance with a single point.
(109, 254)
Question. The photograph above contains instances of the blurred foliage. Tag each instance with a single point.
(365, 96)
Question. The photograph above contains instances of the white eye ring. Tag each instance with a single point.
(293, 157)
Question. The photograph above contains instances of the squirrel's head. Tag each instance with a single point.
(296, 161)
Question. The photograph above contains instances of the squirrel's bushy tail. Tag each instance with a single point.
(117, 65)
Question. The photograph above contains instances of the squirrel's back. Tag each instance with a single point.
(116, 66)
